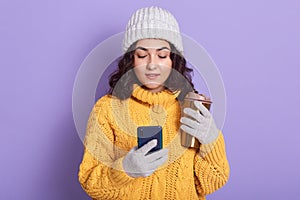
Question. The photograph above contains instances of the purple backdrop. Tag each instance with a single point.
(255, 45)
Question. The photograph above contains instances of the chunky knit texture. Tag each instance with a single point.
(111, 133)
(152, 22)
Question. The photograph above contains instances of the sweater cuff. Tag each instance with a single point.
(215, 151)
(117, 174)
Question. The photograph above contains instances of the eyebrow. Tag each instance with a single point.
(159, 49)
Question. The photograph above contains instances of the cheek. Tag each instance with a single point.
(167, 67)
(167, 72)
(139, 62)
(168, 63)
(135, 62)
(138, 71)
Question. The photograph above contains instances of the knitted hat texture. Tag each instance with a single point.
(152, 22)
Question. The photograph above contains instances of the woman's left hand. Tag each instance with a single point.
(202, 125)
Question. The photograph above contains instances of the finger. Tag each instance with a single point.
(154, 165)
(195, 133)
(142, 174)
(202, 109)
(156, 155)
(191, 131)
(189, 122)
(194, 114)
(147, 147)
(133, 149)
(147, 173)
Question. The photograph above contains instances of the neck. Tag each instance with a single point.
(154, 90)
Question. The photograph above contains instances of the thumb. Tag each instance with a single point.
(133, 149)
(147, 147)
(202, 108)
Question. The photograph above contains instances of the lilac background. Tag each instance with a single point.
(255, 45)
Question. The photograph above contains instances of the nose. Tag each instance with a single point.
(152, 62)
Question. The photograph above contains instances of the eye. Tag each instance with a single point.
(162, 57)
(141, 56)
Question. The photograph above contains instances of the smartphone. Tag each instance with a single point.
(148, 133)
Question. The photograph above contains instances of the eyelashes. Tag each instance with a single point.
(140, 56)
(162, 57)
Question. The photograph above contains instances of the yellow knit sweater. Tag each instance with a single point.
(111, 133)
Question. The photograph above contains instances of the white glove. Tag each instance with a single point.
(137, 163)
(202, 126)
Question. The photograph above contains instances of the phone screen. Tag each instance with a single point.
(148, 133)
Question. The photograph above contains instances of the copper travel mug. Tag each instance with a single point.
(188, 102)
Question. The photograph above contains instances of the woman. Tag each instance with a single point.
(146, 90)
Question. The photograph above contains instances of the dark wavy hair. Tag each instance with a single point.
(121, 80)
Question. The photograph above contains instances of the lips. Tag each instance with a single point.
(152, 76)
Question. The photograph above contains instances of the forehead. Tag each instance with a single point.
(153, 43)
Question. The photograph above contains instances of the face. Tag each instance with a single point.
(152, 63)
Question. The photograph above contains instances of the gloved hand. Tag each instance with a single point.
(137, 163)
(202, 125)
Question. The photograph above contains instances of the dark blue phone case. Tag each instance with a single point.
(148, 133)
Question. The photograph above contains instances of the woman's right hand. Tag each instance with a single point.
(137, 163)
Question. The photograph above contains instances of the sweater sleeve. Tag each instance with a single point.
(100, 173)
(211, 167)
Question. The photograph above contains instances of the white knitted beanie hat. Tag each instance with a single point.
(152, 22)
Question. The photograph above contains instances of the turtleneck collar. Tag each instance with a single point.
(163, 98)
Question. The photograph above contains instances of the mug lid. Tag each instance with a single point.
(198, 97)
